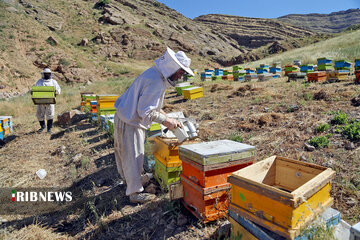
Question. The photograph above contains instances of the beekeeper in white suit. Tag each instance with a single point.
(46, 110)
(136, 109)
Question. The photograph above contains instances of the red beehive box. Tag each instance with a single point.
(207, 204)
(214, 174)
(357, 74)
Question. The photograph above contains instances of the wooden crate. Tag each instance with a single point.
(212, 175)
(166, 175)
(221, 151)
(281, 194)
(193, 93)
(207, 204)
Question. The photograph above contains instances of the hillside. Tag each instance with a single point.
(121, 38)
(327, 23)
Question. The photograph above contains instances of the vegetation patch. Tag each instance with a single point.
(320, 142)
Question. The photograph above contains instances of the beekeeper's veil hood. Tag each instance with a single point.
(170, 62)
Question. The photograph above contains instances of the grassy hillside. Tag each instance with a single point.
(345, 46)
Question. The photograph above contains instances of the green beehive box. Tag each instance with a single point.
(166, 175)
(155, 127)
(43, 95)
(237, 68)
(324, 67)
(216, 77)
(221, 151)
(111, 127)
(180, 89)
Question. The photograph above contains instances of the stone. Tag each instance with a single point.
(12, 9)
(223, 232)
(266, 109)
(60, 151)
(52, 40)
(303, 158)
(293, 108)
(151, 188)
(84, 42)
(88, 83)
(356, 101)
(181, 220)
(309, 147)
(350, 146)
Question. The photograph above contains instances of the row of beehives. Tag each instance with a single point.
(6, 126)
(276, 198)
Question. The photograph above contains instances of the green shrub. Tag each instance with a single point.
(319, 142)
(236, 137)
(352, 131)
(156, 4)
(308, 96)
(323, 127)
(339, 118)
(64, 62)
(103, 2)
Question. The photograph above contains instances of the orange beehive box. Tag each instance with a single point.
(207, 204)
(228, 77)
(316, 76)
(214, 174)
(357, 74)
(93, 109)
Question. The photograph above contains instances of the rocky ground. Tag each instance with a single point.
(275, 116)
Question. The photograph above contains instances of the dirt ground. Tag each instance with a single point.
(275, 116)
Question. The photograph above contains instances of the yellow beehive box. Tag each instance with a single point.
(193, 93)
(106, 101)
(280, 194)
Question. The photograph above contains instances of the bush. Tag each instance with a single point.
(236, 138)
(352, 131)
(323, 127)
(156, 4)
(64, 62)
(319, 142)
(308, 96)
(340, 118)
(103, 2)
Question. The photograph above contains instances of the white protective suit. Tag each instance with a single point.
(47, 110)
(136, 109)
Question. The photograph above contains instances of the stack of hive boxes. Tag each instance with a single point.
(93, 110)
(228, 75)
(207, 75)
(6, 125)
(324, 64)
(341, 73)
(291, 69)
(83, 99)
(250, 74)
(206, 167)
(88, 98)
(238, 73)
(181, 86)
(193, 93)
(1, 133)
(264, 68)
(43, 95)
(279, 194)
(357, 70)
(316, 76)
(168, 165)
(306, 68)
(218, 74)
(105, 105)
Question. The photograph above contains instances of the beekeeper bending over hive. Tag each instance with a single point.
(136, 109)
(46, 110)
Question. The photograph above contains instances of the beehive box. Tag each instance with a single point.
(250, 77)
(106, 101)
(181, 86)
(275, 70)
(357, 76)
(307, 68)
(250, 70)
(296, 76)
(193, 93)
(207, 204)
(322, 61)
(82, 94)
(212, 175)
(316, 76)
(281, 194)
(88, 98)
(215, 152)
(248, 230)
(1, 134)
(265, 76)
(325, 67)
(43, 95)
(166, 175)
(228, 77)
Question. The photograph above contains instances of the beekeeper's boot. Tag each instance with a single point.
(42, 126)
(49, 126)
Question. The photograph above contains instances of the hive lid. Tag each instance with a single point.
(216, 151)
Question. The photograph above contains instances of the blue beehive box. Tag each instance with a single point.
(1, 135)
(261, 70)
(357, 62)
(307, 68)
(322, 61)
(275, 70)
(342, 64)
(219, 72)
(250, 70)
